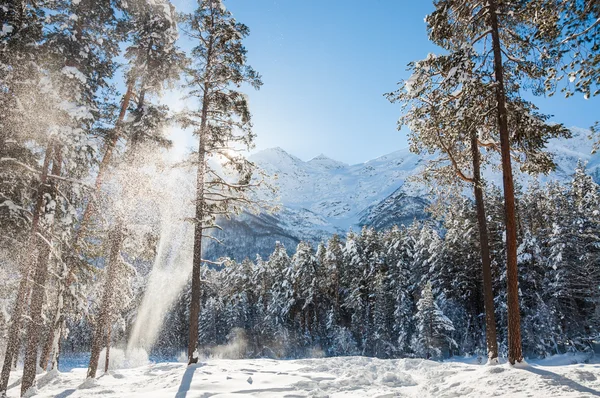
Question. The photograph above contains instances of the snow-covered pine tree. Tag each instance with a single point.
(461, 277)
(304, 276)
(433, 327)
(64, 80)
(362, 256)
(427, 254)
(279, 286)
(444, 120)
(240, 293)
(261, 284)
(20, 77)
(154, 63)
(399, 250)
(533, 279)
(332, 267)
(208, 335)
(383, 315)
(222, 125)
(74, 69)
(20, 74)
(573, 257)
(450, 103)
(512, 29)
(578, 26)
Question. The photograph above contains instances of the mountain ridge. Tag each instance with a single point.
(323, 196)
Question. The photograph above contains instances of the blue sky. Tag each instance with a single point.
(326, 65)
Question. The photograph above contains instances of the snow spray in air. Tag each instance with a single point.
(171, 268)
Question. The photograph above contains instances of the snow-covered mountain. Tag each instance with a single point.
(322, 196)
(336, 192)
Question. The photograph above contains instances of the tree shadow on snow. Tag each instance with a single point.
(65, 393)
(558, 380)
(186, 381)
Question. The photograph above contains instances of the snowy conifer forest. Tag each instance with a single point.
(463, 264)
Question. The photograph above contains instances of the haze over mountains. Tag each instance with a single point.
(323, 196)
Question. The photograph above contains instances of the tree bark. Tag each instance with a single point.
(58, 317)
(105, 313)
(54, 333)
(197, 258)
(514, 317)
(47, 347)
(116, 242)
(103, 167)
(107, 344)
(22, 293)
(488, 293)
(199, 215)
(57, 346)
(36, 320)
(13, 331)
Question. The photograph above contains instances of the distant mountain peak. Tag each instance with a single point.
(276, 156)
(327, 162)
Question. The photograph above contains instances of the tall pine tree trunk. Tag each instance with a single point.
(51, 345)
(38, 293)
(103, 323)
(116, 242)
(103, 167)
(107, 342)
(14, 330)
(22, 293)
(488, 293)
(36, 321)
(106, 159)
(514, 317)
(57, 345)
(199, 215)
(197, 259)
(47, 346)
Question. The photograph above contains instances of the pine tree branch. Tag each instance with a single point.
(55, 177)
(220, 242)
(481, 36)
(576, 35)
(457, 169)
(218, 263)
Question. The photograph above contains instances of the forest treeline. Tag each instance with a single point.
(410, 290)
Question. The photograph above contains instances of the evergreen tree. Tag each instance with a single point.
(222, 125)
(433, 326)
(72, 71)
(578, 26)
(574, 242)
(305, 281)
(154, 62)
(399, 249)
(513, 30)
(208, 323)
(383, 316)
(280, 299)
(332, 266)
(461, 277)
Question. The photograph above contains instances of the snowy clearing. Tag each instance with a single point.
(328, 377)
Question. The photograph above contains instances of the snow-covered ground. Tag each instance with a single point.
(329, 377)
